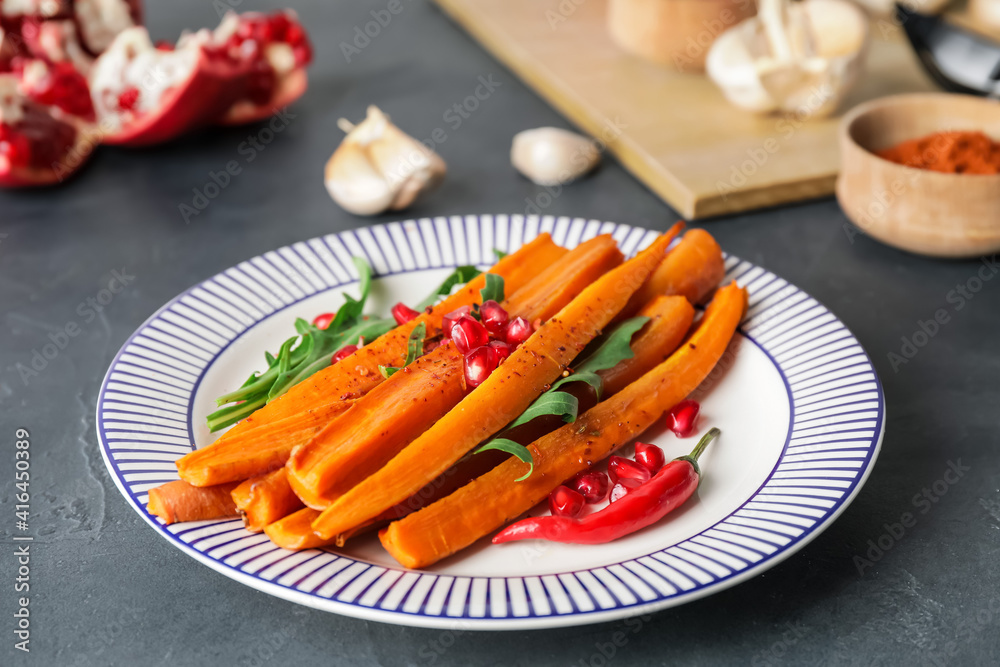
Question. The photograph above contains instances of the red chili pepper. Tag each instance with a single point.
(643, 506)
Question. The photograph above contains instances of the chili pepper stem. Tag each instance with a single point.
(692, 458)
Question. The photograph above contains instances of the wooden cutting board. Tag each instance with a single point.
(674, 131)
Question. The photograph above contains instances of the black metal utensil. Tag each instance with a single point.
(959, 60)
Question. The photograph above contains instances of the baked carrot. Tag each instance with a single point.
(495, 498)
(379, 425)
(504, 395)
(670, 319)
(692, 269)
(257, 451)
(231, 458)
(265, 499)
(179, 501)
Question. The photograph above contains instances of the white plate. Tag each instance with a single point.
(800, 407)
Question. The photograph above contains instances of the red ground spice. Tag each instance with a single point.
(965, 152)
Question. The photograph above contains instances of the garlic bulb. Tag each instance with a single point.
(553, 156)
(378, 167)
(797, 58)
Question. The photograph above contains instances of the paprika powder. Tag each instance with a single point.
(955, 152)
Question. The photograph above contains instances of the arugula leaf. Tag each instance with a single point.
(511, 447)
(493, 290)
(414, 348)
(309, 351)
(550, 403)
(459, 276)
(613, 349)
(499, 253)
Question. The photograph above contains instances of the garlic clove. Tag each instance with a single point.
(378, 167)
(553, 156)
(797, 58)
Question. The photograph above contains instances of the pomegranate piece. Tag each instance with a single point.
(627, 472)
(479, 364)
(343, 353)
(518, 331)
(448, 321)
(649, 457)
(564, 501)
(682, 419)
(591, 484)
(468, 334)
(37, 148)
(144, 95)
(59, 85)
(403, 313)
(323, 320)
(494, 317)
(500, 349)
(619, 491)
(276, 50)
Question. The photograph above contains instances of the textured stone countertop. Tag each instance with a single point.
(106, 590)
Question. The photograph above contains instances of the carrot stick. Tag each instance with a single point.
(503, 396)
(265, 499)
(234, 456)
(692, 269)
(670, 318)
(257, 451)
(492, 500)
(179, 501)
(380, 424)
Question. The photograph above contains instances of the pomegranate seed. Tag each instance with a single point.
(494, 317)
(619, 491)
(448, 321)
(403, 313)
(323, 320)
(649, 457)
(343, 353)
(479, 363)
(592, 485)
(164, 45)
(128, 99)
(518, 331)
(500, 349)
(683, 418)
(564, 501)
(469, 334)
(628, 472)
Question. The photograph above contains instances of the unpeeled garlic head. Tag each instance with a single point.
(797, 58)
(553, 156)
(378, 167)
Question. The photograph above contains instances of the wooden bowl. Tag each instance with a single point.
(677, 33)
(925, 212)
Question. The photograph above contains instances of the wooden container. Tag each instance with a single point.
(925, 212)
(677, 33)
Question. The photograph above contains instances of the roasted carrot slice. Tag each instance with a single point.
(692, 269)
(670, 319)
(265, 499)
(393, 414)
(353, 377)
(492, 500)
(503, 396)
(179, 501)
(257, 451)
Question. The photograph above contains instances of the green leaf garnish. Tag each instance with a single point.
(493, 290)
(550, 403)
(308, 352)
(459, 276)
(414, 349)
(499, 253)
(511, 447)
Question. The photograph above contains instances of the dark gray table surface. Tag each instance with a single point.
(106, 590)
